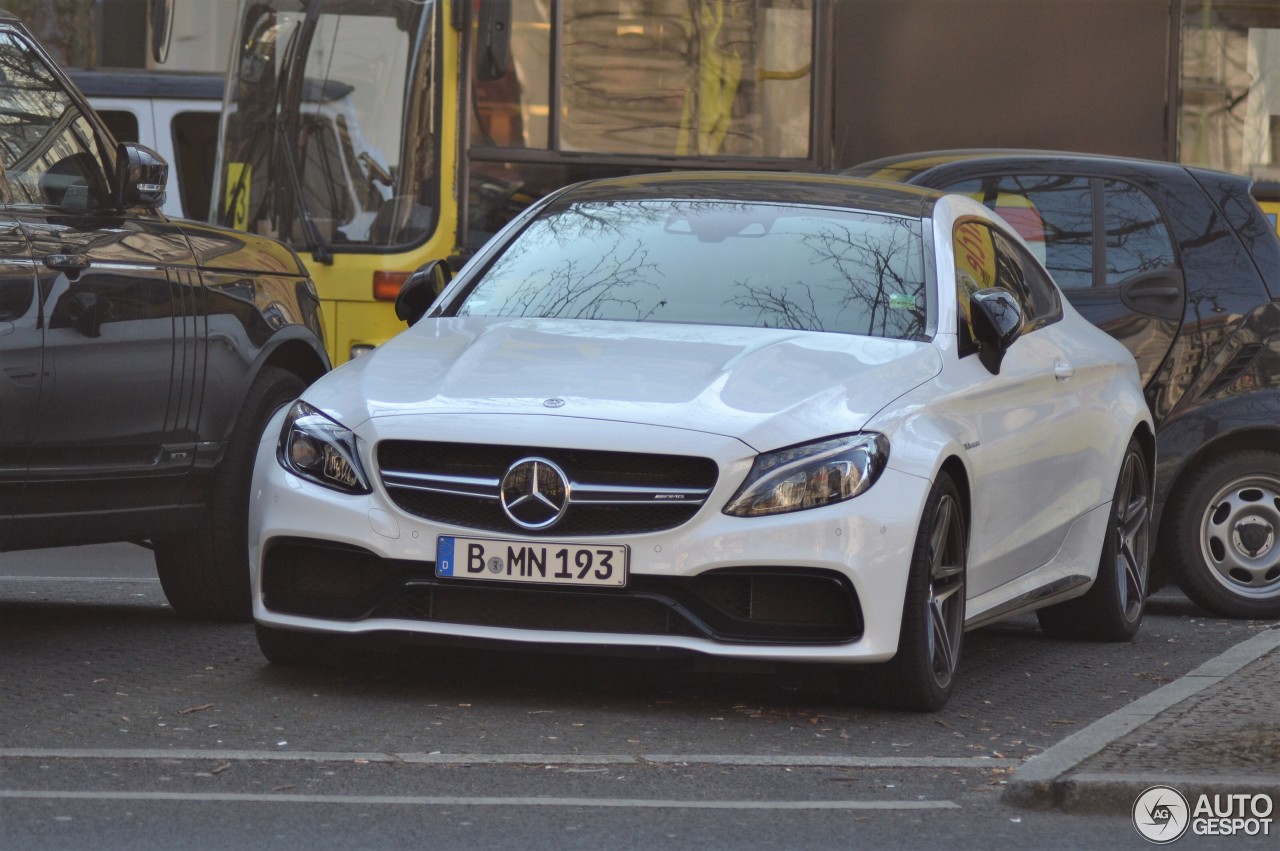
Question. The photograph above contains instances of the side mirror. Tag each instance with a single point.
(420, 289)
(141, 176)
(493, 40)
(160, 17)
(996, 320)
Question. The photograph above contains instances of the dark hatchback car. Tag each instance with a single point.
(1182, 266)
(139, 356)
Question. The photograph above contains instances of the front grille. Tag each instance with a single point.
(610, 493)
(747, 604)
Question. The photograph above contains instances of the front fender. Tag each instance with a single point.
(1225, 423)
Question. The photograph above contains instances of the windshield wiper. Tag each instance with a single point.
(319, 247)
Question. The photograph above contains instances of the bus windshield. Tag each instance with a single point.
(322, 146)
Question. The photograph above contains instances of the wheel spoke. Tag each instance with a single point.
(941, 531)
(944, 661)
(1125, 489)
(944, 605)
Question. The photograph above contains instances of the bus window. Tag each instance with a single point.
(721, 78)
(323, 147)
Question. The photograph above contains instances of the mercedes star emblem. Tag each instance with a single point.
(534, 493)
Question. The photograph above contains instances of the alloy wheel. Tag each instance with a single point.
(1132, 528)
(946, 590)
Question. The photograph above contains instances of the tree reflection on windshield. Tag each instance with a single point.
(718, 263)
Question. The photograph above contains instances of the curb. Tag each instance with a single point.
(1046, 781)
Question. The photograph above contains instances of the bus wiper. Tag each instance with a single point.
(321, 252)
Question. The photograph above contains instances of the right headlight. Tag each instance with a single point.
(811, 475)
(320, 450)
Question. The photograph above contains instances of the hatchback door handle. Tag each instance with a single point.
(1063, 370)
(67, 262)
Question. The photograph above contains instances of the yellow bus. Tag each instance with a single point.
(376, 135)
(1268, 195)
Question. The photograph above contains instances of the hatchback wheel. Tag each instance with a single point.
(1223, 529)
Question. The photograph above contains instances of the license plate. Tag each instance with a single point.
(538, 562)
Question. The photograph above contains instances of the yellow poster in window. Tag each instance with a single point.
(975, 267)
(975, 259)
(239, 176)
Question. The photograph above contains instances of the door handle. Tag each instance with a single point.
(67, 262)
(1063, 370)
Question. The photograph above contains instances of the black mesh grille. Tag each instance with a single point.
(761, 605)
(1236, 367)
(479, 606)
(611, 469)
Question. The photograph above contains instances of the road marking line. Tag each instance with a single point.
(452, 801)
(517, 758)
(108, 579)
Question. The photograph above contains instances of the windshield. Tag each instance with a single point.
(327, 138)
(715, 263)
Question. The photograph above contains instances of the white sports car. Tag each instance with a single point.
(773, 417)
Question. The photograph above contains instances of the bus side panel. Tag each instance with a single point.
(914, 75)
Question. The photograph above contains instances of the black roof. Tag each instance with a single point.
(911, 168)
(142, 83)
(819, 190)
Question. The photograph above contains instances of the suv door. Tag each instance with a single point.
(119, 296)
(21, 338)
(1106, 244)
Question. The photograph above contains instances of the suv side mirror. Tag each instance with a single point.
(996, 320)
(420, 289)
(141, 176)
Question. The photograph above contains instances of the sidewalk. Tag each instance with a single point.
(1215, 730)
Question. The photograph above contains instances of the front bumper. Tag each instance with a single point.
(825, 584)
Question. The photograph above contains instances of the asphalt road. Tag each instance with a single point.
(122, 726)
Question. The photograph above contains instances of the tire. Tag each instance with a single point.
(921, 676)
(1112, 608)
(1221, 532)
(205, 574)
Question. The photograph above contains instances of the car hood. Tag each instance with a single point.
(766, 387)
(219, 249)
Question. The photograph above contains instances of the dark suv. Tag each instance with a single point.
(139, 356)
(1182, 266)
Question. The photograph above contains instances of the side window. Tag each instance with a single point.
(122, 123)
(985, 258)
(47, 146)
(1137, 239)
(1043, 301)
(975, 254)
(1053, 213)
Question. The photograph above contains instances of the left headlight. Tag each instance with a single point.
(320, 450)
(811, 475)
